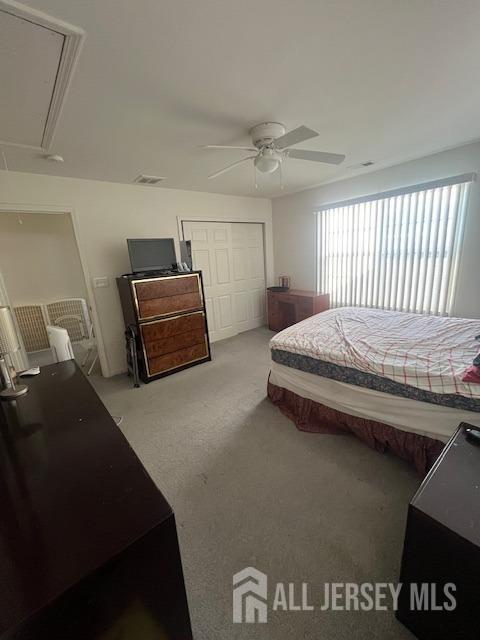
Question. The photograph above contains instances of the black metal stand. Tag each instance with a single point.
(132, 361)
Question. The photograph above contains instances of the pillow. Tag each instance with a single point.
(472, 374)
(476, 360)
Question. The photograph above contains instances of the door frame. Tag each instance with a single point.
(267, 247)
(55, 210)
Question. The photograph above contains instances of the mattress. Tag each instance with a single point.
(412, 356)
(423, 418)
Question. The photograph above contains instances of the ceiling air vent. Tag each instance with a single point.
(149, 180)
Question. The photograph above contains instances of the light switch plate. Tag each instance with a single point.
(100, 283)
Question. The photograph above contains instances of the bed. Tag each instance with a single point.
(393, 379)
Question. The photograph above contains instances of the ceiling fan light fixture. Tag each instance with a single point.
(272, 146)
(266, 164)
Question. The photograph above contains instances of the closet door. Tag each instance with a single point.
(231, 257)
(248, 276)
(212, 254)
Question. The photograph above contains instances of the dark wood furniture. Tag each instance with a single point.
(442, 544)
(289, 307)
(167, 315)
(88, 544)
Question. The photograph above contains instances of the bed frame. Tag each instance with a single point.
(314, 417)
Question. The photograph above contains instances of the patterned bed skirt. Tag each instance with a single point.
(314, 417)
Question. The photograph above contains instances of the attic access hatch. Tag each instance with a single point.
(37, 59)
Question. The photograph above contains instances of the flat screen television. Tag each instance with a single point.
(151, 254)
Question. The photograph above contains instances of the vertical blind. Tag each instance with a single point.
(397, 250)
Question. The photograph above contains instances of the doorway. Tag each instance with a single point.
(44, 285)
(232, 259)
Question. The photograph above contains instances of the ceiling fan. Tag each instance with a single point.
(272, 146)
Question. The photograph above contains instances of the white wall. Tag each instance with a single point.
(294, 221)
(105, 214)
(39, 258)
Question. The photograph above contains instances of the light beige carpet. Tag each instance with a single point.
(248, 488)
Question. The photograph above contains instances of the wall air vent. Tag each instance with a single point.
(148, 180)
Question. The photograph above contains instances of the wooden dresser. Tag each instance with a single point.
(442, 546)
(167, 315)
(88, 544)
(289, 307)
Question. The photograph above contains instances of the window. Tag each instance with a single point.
(396, 250)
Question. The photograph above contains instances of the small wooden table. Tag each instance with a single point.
(289, 307)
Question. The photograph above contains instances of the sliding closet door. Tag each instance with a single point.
(230, 255)
(212, 254)
(248, 276)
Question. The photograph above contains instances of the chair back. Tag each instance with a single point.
(71, 314)
(32, 325)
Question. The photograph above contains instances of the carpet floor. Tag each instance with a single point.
(249, 489)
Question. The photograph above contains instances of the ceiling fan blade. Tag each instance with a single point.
(300, 134)
(227, 146)
(315, 156)
(230, 166)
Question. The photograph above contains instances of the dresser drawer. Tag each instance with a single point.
(177, 359)
(305, 304)
(160, 329)
(174, 343)
(166, 306)
(164, 287)
(285, 297)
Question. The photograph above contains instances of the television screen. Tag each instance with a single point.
(151, 254)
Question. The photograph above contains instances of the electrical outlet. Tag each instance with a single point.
(100, 283)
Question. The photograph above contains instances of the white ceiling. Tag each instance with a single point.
(382, 80)
(29, 59)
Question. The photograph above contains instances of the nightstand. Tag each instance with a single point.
(442, 544)
(289, 307)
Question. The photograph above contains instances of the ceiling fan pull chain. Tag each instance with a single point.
(255, 176)
(280, 167)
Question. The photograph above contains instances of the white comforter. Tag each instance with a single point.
(427, 352)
